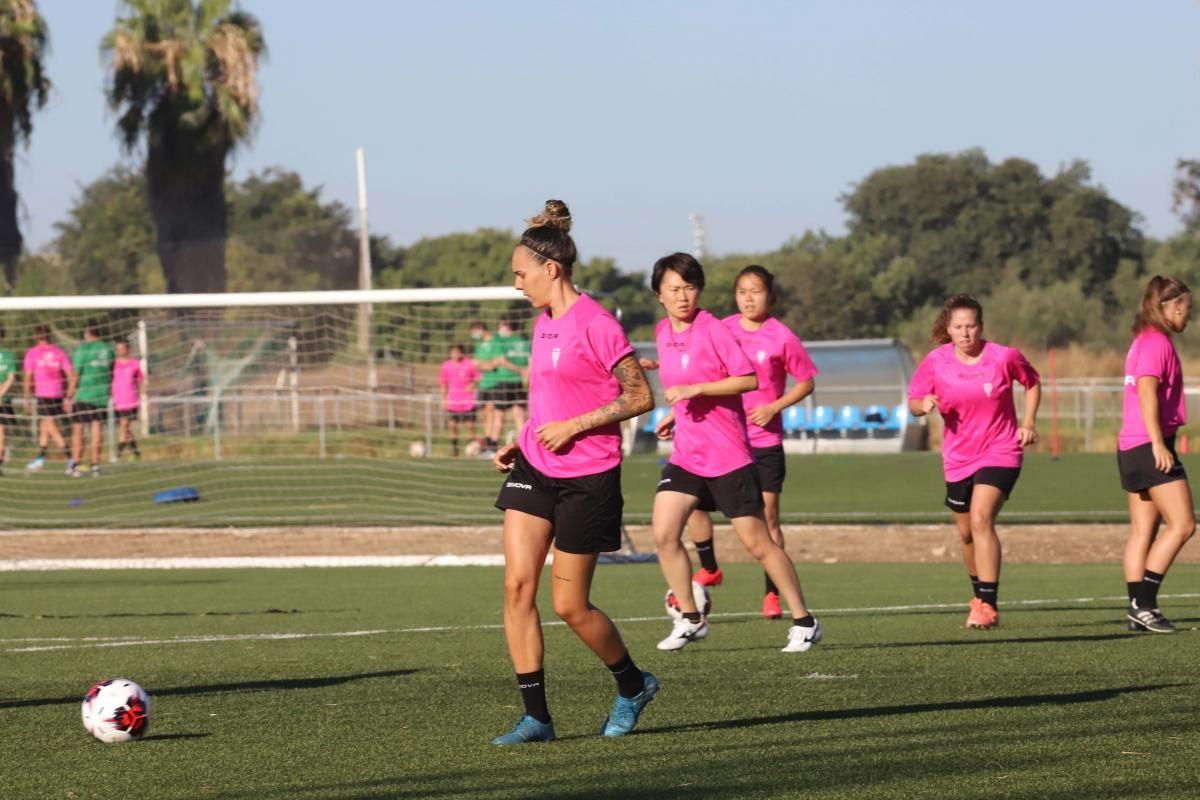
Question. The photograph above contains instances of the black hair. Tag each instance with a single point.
(682, 264)
(548, 237)
(760, 272)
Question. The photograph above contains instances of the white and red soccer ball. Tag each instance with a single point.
(699, 594)
(116, 710)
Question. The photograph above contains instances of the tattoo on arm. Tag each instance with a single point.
(635, 397)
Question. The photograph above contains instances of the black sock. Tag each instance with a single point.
(133, 447)
(806, 621)
(770, 587)
(533, 692)
(492, 443)
(42, 452)
(989, 591)
(974, 584)
(1131, 589)
(630, 682)
(1148, 590)
(120, 448)
(454, 446)
(708, 555)
(692, 616)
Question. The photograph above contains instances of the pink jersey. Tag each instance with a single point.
(710, 432)
(1152, 353)
(126, 383)
(976, 404)
(459, 378)
(50, 366)
(571, 363)
(775, 352)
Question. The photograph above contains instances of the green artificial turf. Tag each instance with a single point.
(904, 487)
(382, 683)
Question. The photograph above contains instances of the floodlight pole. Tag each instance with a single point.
(699, 235)
(364, 281)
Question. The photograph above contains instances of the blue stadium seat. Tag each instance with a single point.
(849, 418)
(794, 418)
(874, 417)
(656, 416)
(898, 421)
(822, 419)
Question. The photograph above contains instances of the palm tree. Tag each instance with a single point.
(23, 89)
(183, 72)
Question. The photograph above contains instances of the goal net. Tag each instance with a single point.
(289, 409)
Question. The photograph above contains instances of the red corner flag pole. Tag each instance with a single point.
(1053, 410)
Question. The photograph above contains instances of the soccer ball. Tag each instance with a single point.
(116, 710)
(417, 449)
(472, 449)
(699, 594)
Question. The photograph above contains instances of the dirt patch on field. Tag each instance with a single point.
(1045, 544)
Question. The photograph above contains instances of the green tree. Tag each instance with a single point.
(183, 74)
(23, 89)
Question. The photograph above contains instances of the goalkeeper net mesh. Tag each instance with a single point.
(277, 409)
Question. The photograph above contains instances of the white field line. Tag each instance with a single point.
(97, 642)
(247, 562)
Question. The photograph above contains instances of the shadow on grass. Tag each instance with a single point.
(223, 688)
(151, 614)
(1012, 701)
(171, 737)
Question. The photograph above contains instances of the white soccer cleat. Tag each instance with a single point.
(35, 465)
(801, 639)
(683, 633)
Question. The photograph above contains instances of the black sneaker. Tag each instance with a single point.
(1149, 619)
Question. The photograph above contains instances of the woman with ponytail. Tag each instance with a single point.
(563, 484)
(1151, 472)
(968, 380)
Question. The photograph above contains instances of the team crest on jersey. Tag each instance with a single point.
(762, 356)
(683, 359)
(1130, 381)
(554, 354)
(987, 389)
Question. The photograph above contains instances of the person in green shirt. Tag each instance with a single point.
(8, 376)
(90, 388)
(504, 364)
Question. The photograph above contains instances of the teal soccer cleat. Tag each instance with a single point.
(527, 729)
(626, 710)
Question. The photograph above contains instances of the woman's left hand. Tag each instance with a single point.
(761, 416)
(679, 392)
(1027, 435)
(554, 436)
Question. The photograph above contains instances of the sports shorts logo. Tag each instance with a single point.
(954, 502)
(663, 481)
(554, 354)
(516, 485)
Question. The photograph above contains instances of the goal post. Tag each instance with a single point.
(264, 407)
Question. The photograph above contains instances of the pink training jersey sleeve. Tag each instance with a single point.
(571, 362)
(1152, 354)
(126, 382)
(710, 432)
(49, 365)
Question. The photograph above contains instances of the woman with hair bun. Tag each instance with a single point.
(1151, 472)
(968, 380)
(563, 487)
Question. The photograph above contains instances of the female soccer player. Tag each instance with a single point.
(127, 384)
(564, 476)
(775, 352)
(968, 380)
(8, 415)
(1151, 472)
(458, 378)
(703, 371)
(47, 369)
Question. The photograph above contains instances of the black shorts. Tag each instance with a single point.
(128, 413)
(50, 406)
(506, 395)
(585, 512)
(958, 493)
(772, 467)
(461, 416)
(86, 412)
(8, 416)
(735, 494)
(1138, 472)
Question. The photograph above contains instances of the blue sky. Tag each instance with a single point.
(758, 115)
